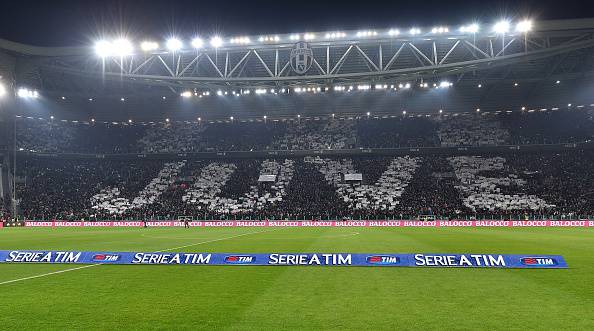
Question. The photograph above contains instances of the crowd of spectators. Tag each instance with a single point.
(307, 133)
(542, 183)
(53, 136)
(4, 210)
(549, 127)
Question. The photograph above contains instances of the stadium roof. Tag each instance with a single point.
(551, 51)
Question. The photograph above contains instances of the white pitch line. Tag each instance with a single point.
(48, 274)
(98, 264)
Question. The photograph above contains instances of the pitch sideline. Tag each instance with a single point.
(98, 264)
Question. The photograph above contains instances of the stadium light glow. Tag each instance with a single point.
(407, 86)
(240, 40)
(335, 35)
(393, 32)
(104, 48)
(186, 94)
(441, 111)
(27, 94)
(524, 26)
(197, 43)
(501, 27)
(308, 36)
(558, 82)
(216, 42)
(445, 84)
(404, 112)
(122, 47)
(167, 120)
(415, 31)
(2, 90)
(52, 117)
(122, 99)
(149, 46)
(472, 28)
(174, 44)
(93, 120)
(440, 30)
(368, 113)
(219, 92)
(367, 33)
(294, 37)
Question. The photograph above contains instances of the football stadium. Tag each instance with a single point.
(405, 176)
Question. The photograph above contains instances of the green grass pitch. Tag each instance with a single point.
(309, 298)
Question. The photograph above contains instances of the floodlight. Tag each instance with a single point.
(472, 28)
(445, 84)
(197, 43)
(216, 42)
(174, 44)
(501, 27)
(2, 90)
(122, 47)
(394, 32)
(186, 94)
(104, 48)
(415, 31)
(26, 93)
(524, 26)
(148, 46)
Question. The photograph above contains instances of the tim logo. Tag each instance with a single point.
(105, 258)
(538, 261)
(301, 57)
(383, 259)
(240, 259)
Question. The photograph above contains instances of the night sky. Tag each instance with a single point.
(72, 23)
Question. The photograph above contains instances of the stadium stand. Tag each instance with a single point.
(465, 129)
(498, 185)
